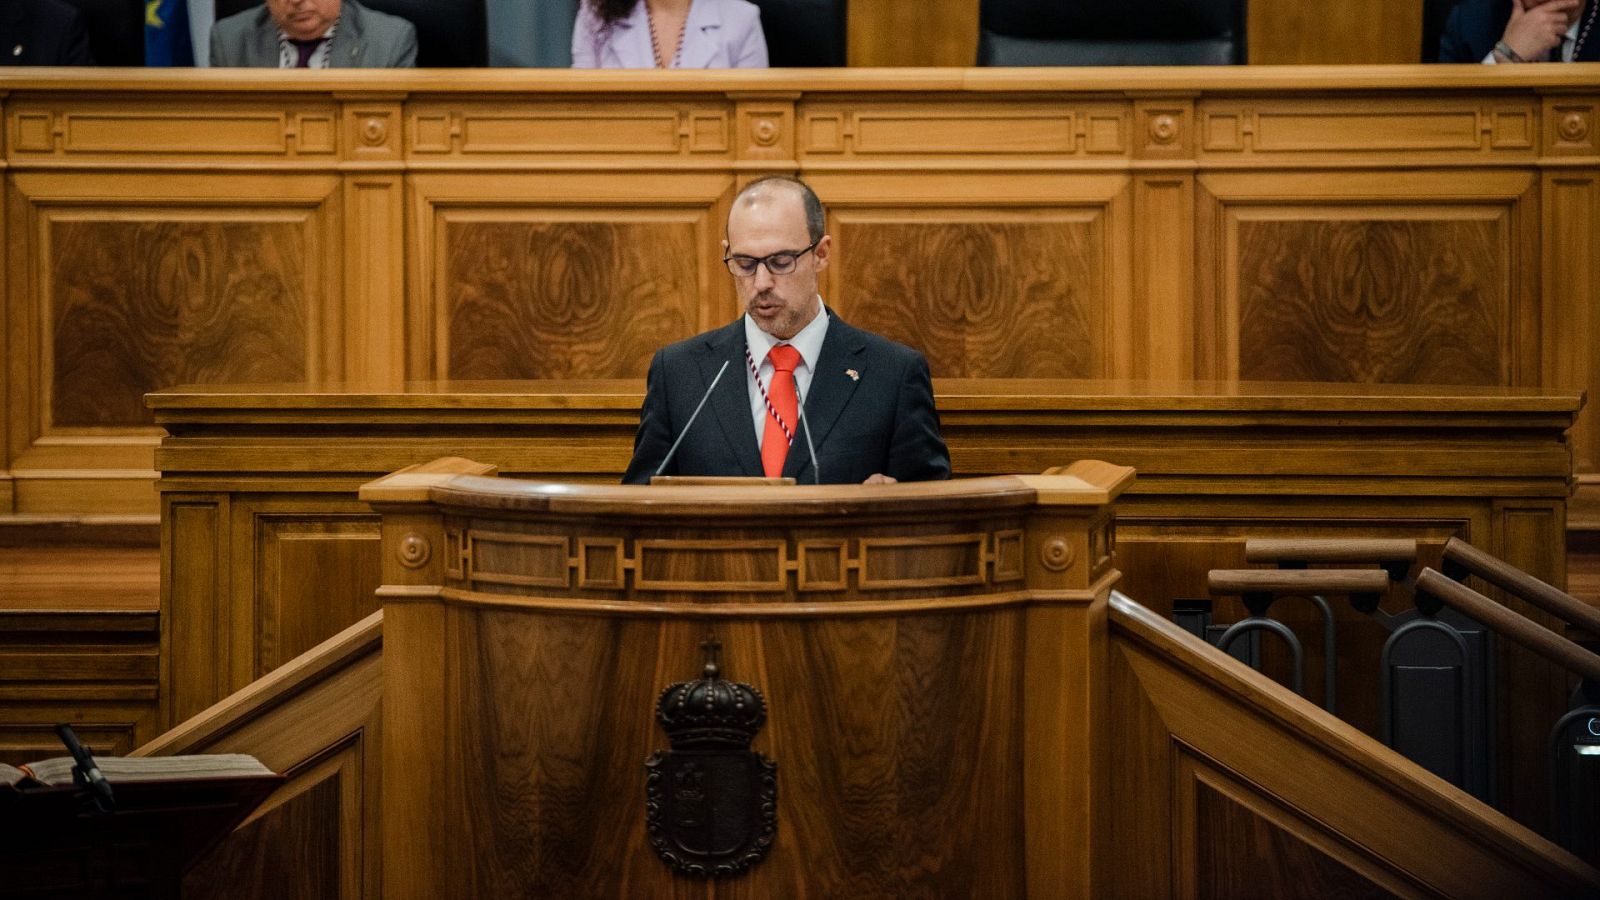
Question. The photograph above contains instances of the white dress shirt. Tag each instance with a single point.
(808, 342)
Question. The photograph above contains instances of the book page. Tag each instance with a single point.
(123, 769)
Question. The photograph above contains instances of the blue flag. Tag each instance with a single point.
(166, 33)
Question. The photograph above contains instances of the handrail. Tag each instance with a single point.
(1330, 550)
(271, 690)
(1510, 623)
(1513, 580)
(1297, 581)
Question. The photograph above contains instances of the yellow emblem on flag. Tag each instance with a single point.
(152, 14)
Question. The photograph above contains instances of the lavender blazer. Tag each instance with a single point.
(719, 34)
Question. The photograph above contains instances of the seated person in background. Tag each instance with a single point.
(1514, 31)
(668, 34)
(315, 34)
(42, 33)
(869, 399)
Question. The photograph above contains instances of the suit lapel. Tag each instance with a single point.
(266, 50)
(629, 44)
(731, 400)
(831, 389)
(348, 44)
(700, 31)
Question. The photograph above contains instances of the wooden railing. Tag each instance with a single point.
(314, 720)
(1228, 785)
(1468, 738)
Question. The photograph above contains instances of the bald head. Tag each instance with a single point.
(778, 223)
(779, 191)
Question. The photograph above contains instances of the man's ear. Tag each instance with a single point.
(823, 249)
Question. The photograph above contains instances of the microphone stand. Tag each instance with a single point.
(86, 773)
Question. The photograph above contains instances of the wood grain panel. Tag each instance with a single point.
(1570, 312)
(894, 750)
(1245, 855)
(554, 733)
(317, 576)
(1289, 32)
(194, 626)
(1374, 301)
(290, 853)
(139, 305)
(29, 742)
(565, 299)
(912, 33)
(998, 298)
(891, 750)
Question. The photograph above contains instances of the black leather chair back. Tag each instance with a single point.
(451, 34)
(1098, 33)
(116, 30)
(1434, 15)
(804, 33)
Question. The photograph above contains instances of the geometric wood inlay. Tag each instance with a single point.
(507, 562)
(946, 560)
(566, 299)
(983, 299)
(1373, 301)
(138, 306)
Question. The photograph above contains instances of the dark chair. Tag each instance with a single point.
(804, 33)
(116, 30)
(1126, 33)
(451, 34)
(1434, 15)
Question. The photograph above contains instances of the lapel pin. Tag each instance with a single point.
(854, 375)
(17, 50)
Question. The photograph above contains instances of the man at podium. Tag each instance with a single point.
(729, 402)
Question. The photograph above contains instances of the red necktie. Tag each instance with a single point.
(783, 409)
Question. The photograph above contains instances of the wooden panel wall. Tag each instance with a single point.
(945, 32)
(1393, 226)
(1407, 225)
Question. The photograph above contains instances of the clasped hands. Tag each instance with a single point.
(1538, 26)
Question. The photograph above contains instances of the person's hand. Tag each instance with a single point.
(880, 478)
(1537, 26)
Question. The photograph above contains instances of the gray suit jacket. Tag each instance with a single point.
(364, 39)
(880, 419)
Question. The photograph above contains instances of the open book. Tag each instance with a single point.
(128, 769)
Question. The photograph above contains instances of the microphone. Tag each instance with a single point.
(816, 468)
(86, 772)
(692, 416)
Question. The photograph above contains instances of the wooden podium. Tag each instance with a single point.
(925, 653)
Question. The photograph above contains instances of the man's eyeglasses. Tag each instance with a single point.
(780, 263)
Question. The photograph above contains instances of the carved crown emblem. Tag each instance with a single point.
(711, 712)
(711, 803)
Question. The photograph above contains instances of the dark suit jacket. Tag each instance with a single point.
(882, 420)
(49, 33)
(1471, 30)
(364, 39)
(1474, 26)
